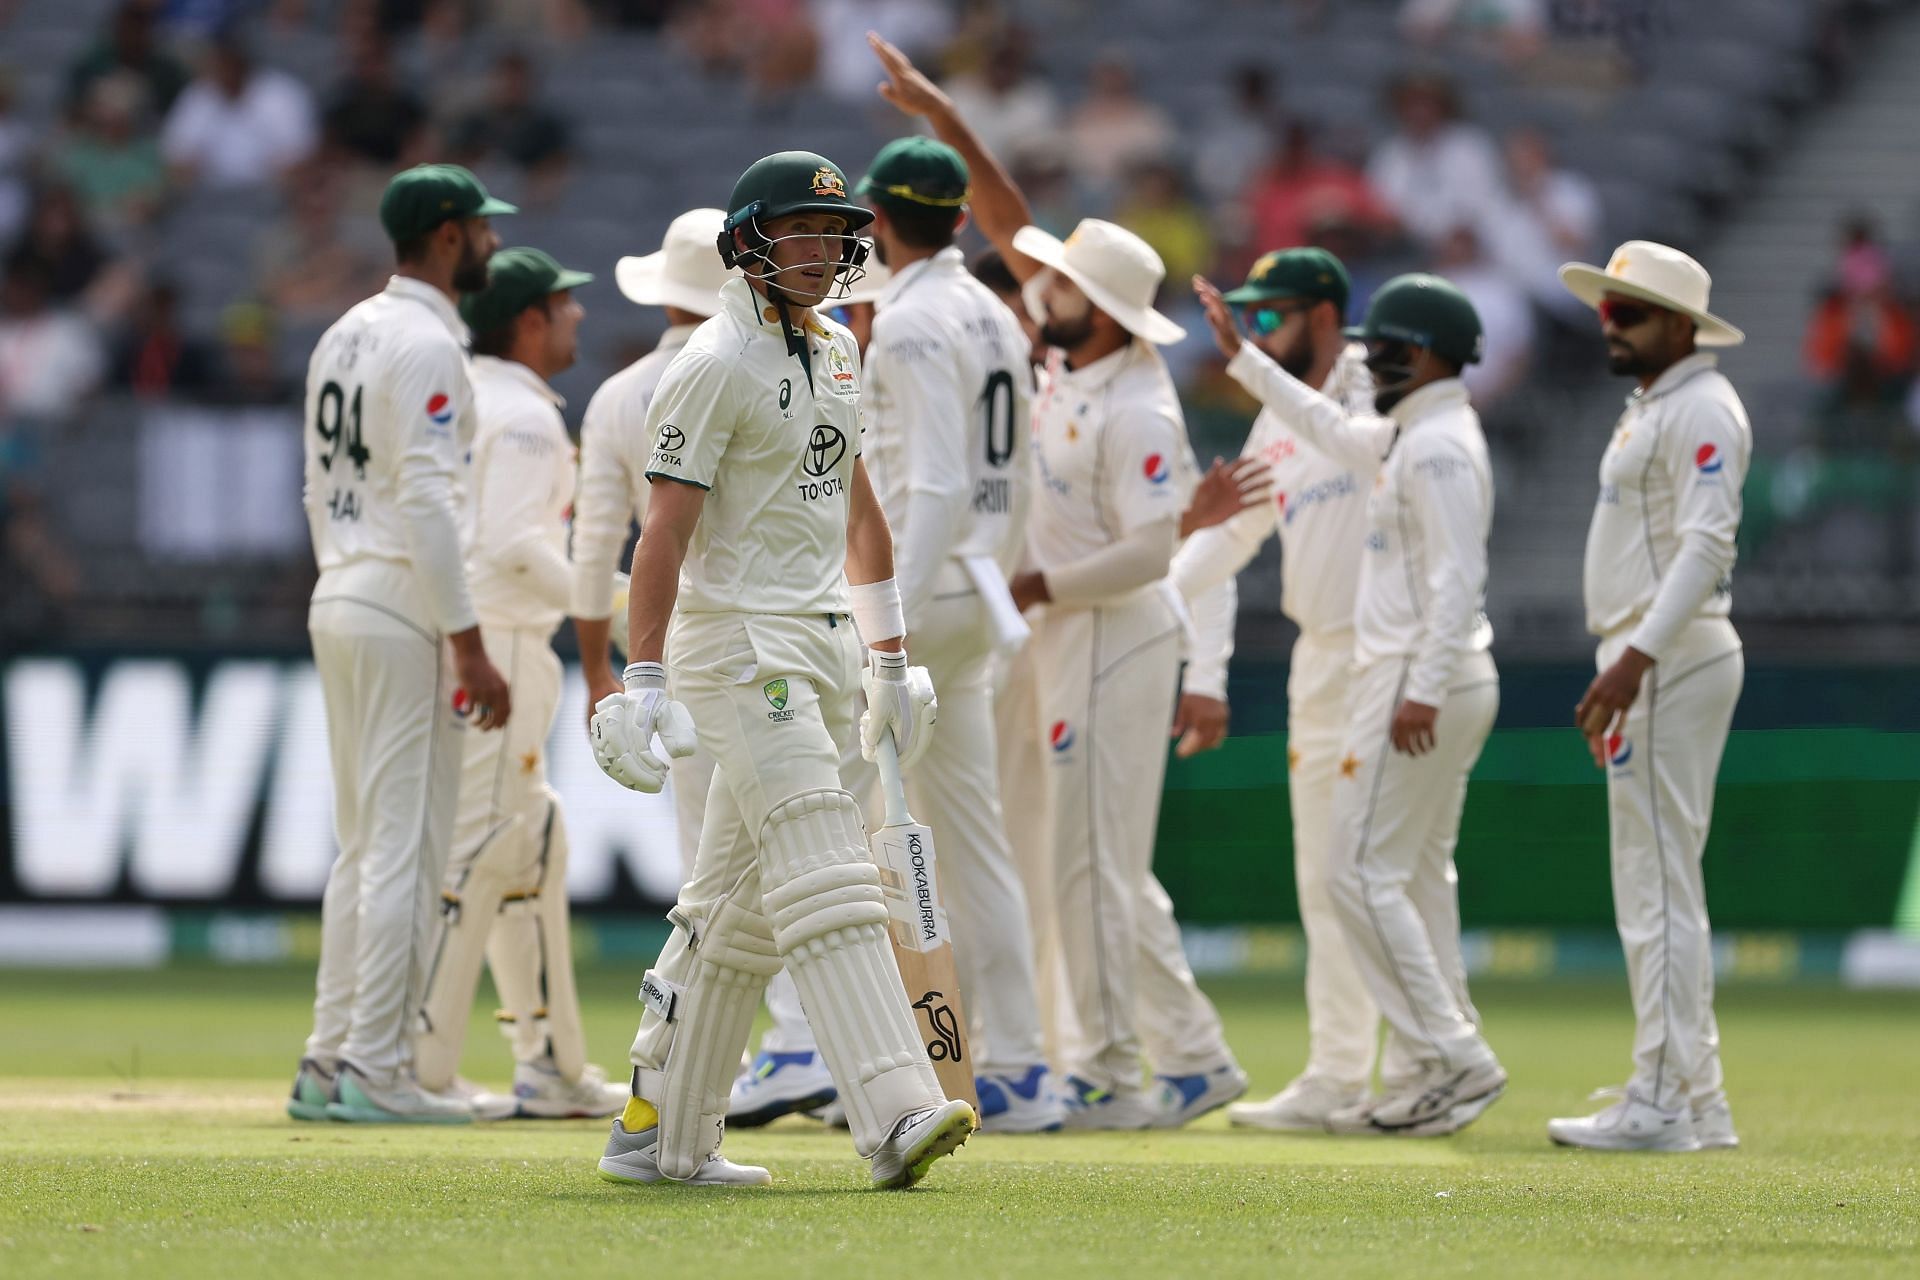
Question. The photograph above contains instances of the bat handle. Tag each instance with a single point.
(893, 791)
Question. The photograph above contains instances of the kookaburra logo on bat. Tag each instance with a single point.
(946, 1028)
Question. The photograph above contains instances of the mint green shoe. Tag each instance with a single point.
(358, 1100)
(313, 1089)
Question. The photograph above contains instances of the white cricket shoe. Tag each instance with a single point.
(541, 1093)
(920, 1138)
(1628, 1125)
(1435, 1091)
(1091, 1107)
(1304, 1106)
(1713, 1123)
(486, 1104)
(1180, 1100)
(634, 1158)
(779, 1084)
(359, 1099)
(1019, 1102)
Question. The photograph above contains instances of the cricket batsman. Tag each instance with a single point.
(764, 548)
(1424, 689)
(1658, 582)
(389, 418)
(505, 895)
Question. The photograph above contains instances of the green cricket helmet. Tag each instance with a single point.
(789, 182)
(1423, 310)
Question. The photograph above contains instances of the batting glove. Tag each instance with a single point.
(624, 725)
(900, 700)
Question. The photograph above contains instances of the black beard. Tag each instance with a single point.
(1298, 360)
(470, 276)
(1625, 361)
(1067, 334)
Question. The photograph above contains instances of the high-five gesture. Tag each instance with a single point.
(1226, 330)
(907, 87)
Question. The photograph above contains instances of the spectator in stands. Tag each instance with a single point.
(513, 126)
(58, 239)
(132, 45)
(39, 577)
(1113, 128)
(313, 263)
(1158, 208)
(840, 27)
(1235, 138)
(155, 358)
(16, 159)
(248, 371)
(1435, 172)
(110, 161)
(238, 124)
(370, 116)
(768, 42)
(1505, 316)
(1543, 216)
(1514, 29)
(1011, 109)
(1301, 187)
(50, 356)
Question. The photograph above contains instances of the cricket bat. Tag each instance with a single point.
(917, 924)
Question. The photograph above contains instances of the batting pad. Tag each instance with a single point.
(829, 920)
(700, 1000)
(467, 911)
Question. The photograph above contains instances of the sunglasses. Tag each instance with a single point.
(1625, 315)
(1265, 321)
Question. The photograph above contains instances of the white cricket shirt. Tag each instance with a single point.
(738, 415)
(389, 417)
(522, 489)
(614, 447)
(1660, 550)
(947, 405)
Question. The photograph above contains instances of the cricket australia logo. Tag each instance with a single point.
(945, 1045)
(828, 183)
(776, 691)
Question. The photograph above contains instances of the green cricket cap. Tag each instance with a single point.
(918, 170)
(421, 198)
(1295, 273)
(516, 279)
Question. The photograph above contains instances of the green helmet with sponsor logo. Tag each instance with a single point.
(784, 183)
(1424, 311)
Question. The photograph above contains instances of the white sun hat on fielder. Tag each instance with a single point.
(1117, 270)
(686, 272)
(1658, 274)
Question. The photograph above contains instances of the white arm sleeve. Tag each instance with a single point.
(1707, 520)
(1137, 558)
(1443, 491)
(428, 496)
(510, 532)
(1326, 424)
(1213, 616)
(920, 374)
(603, 505)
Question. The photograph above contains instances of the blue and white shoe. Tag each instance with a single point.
(1023, 1103)
(779, 1084)
(1184, 1099)
(1088, 1106)
(314, 1086)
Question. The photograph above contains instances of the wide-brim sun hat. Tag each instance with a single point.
(1117, 270)
(684, 272)
(1658, 274)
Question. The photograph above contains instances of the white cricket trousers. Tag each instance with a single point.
(1107, 679)
(394, 745)
(1396, 819)
(1343, 1024)
(1659, 804)
(954, 789)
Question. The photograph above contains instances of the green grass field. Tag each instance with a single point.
(141, 1135)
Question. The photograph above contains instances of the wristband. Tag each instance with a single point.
(641, 676)
(877, 612)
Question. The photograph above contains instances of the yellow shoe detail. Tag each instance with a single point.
(639, 1116)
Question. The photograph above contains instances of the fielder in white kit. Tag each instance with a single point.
(1424, 689)
(764, 547)
(505, 894)
(391, 414)
(945, 410)
(1658, 580)
(683, 277)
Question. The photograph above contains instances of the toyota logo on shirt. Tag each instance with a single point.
(825, 447)
(671, 439)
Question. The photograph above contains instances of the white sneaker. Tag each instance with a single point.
(402, 1100)
(539, 1093)
(1713, 1123)
(1183, 1099)
(1091, 1107)
(634, 1158)
(779, 1084)
(1019, 1102)
(920, 1138)
(1628, 1125)
(1304, 1106)
(486, 1104)
(1437, 1090)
